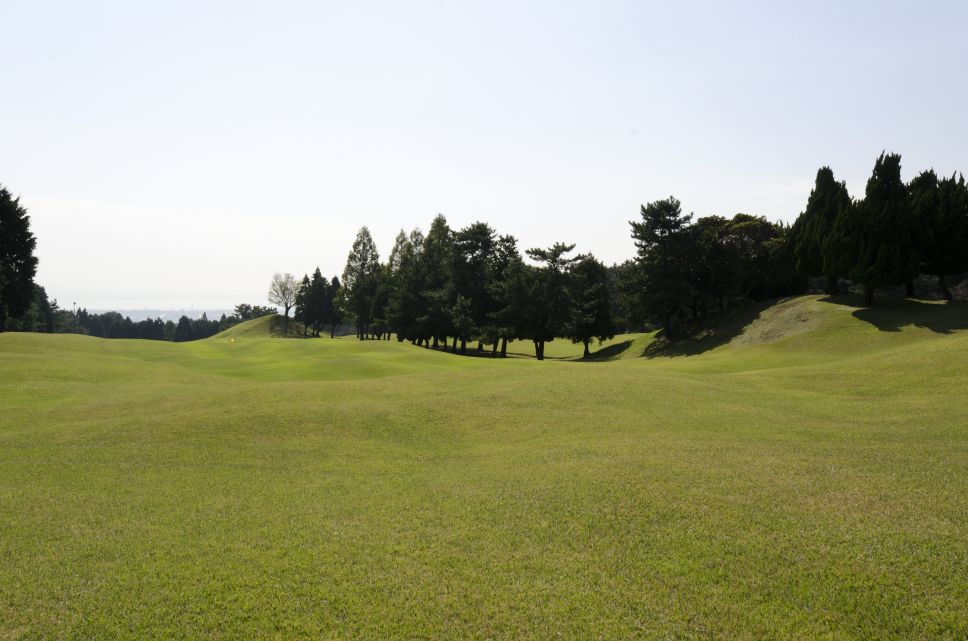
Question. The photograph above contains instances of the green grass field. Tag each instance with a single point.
(799, 472)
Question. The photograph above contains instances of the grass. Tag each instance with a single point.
(797, 473)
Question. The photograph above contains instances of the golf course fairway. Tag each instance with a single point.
(800, 472)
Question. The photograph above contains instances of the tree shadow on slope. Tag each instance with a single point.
(610, 352)
(891, 314)
(712, 332)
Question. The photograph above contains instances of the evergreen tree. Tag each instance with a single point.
(941, 208)
(404, 305)
(438, 292)
(813, 229)
(18, 265)
(336, 307)
(885, 231)
(303, 311)
(462, 321)
(317, 301)
(473, 252)
(183, 331)
(663, 257)
(360, 280)
(591, 306)
(549, 308)
(506, 314)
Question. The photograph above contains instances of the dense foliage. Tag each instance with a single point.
(896, 232)
(17, 261)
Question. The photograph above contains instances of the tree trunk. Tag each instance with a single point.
(463, 346)
(332, 331)
(945, 292)
(831, 287)
(480, 346)
(454, 349)
(587, 353)
(504, 347)
(868, 295)
(909, 289)
(435, 342)
(494, 350)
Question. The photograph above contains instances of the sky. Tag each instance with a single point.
(177, 154)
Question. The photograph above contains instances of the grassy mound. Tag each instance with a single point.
(796, 475)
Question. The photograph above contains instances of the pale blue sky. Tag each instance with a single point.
(178, 153)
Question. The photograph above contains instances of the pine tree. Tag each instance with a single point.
(18, 265)
(663, 249)
(591, 306)
(548, 312)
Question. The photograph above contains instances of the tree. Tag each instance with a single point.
(885, 242)
(715, 266)
(303, 306)
(663, 247)
(183, 331)
(813, 229)
(462, 321)
(406, 283)
(505, 272)
(335, 305)
(473, 251)
(282, 292)
(318, 300)
(18, 265)
(549, 309)
(438, 292)
(941, 209)
(360, 280)
(591, 306)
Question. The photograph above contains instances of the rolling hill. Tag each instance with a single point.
(795, 470)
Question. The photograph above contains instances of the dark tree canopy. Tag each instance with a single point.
(941, 209)
(812, 231)
(664, 253)
(18, 265)
(883, 231)
(361, 279)
(591, 304)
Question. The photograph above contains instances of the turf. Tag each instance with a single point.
(799, 471)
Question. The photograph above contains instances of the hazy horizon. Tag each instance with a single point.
(176, 156)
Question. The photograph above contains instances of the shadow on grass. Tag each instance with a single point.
(711, 332)
(610, 353)
(891, 314)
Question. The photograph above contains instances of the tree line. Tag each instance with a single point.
(887, 238)
(45, 315)
(450, 287)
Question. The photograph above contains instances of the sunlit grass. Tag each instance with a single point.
(779, 481)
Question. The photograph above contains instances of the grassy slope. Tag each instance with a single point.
(802, 478)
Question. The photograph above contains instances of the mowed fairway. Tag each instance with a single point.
(807, 479)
